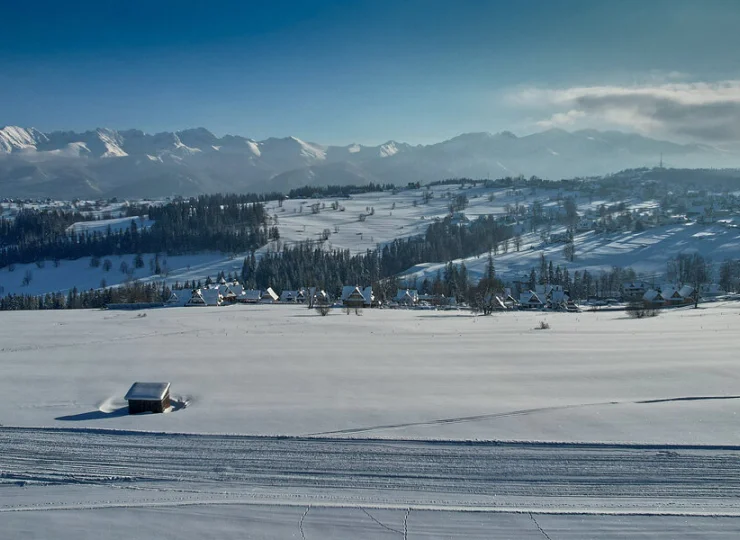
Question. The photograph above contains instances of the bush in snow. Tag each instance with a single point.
(637, 310)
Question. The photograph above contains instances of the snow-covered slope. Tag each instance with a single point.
(367, 221)
(396, 216)
(17, 139)
(645, 252)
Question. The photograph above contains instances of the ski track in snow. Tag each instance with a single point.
(538, 526)
(183, 469)
(521, 412)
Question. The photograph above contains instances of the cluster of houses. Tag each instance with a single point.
(668, 295)
(552, 297)
(543, 297)
(225, 293)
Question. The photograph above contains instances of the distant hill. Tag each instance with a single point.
(131, 163)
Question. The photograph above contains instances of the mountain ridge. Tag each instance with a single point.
(133, 163)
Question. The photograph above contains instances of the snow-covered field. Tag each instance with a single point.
(395, 215)
(115, 224)
(283, 370)
(360, 427)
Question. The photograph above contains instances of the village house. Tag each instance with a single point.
(688, 293)
(633, 290)
(509, 301)
(250, 296)
(357, 297)
(406, 297)
(293, 297)
(228, 293)
(319, 298)
(494, 302)
(653, 298)
(269, 296)
(352, 297)
(557, 298)
(205, 297)
(179, 298)
(671, 295)
(712, 290)
(530, 300)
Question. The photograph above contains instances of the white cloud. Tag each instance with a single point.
(562, 119)
(699, 110)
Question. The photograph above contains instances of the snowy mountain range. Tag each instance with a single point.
(106, 163)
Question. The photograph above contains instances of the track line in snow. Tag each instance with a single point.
(520, 412)
(538, 527)
(687, 398)
(300, 523)
(368, 514)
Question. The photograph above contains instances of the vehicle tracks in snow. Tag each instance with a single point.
(178, 468)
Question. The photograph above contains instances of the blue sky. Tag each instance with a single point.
(341, 72)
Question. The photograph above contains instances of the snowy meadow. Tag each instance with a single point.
(394, 423)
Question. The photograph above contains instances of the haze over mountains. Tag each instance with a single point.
(131, 163)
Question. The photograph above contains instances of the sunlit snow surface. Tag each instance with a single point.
(646, 396)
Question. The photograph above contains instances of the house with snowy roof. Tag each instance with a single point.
(530, 300)
(151, 397)
(319, 297)
(354, 296)
(406, 297)
(250, 296)
(205, 297)
(671, 295)
(228, 292)
(557, 297)
(293, 297)
(634, 289)
(178, 298)
(269, 296)
(687, 292)
(712, 290)
(494, 302)
(653, 298)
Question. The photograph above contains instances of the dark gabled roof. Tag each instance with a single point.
(147, 391)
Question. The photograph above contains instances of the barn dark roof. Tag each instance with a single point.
(147, 391)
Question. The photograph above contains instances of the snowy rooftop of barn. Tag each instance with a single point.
(147, 391)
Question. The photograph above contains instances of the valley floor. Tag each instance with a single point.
(385, 425)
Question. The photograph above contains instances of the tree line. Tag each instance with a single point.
(129, 293)
(228, 223)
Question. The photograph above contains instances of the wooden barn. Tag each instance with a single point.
(151, 397)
